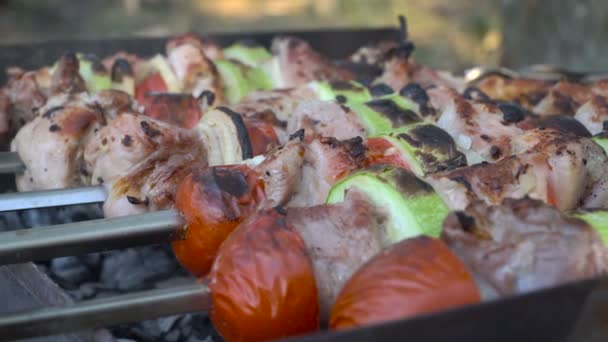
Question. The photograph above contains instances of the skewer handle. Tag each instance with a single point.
(108, 311)
(52, 198)
(10, 163)
(78, 238)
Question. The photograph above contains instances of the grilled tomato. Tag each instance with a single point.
(412, 277)
(213, 201)
(262, 282)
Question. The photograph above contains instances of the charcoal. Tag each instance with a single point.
(69, 271)
(136, 268)
(166, 323)
(92, 260)
(172, 336)
(85, 291)
(107, 274)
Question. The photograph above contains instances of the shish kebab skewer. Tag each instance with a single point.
(372, 122)
(439, 278)
(525, 174)
(384, 113)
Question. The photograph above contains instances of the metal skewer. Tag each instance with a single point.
(109, 311)
(52, 198)
(10, 163)
(91, 236)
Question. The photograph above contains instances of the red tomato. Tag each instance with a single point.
(181, 110)
(379, 152)
(412, 277)
(151, 83)
(213, 201)
(262, 282)
(262, 136)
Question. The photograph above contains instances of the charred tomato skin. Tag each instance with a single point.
(151, 83)
(377, 148)
(412, 277)
(262, 136)
(181, 110)
(262, 282)
(213, 201)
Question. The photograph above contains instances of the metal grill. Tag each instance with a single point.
(560, 313)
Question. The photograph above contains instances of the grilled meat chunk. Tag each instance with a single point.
(281, 171)
(132, 148)
(299, 63)
(25, 92)
(194, 70)
(325, 119)
(274, 107)
(326, 161)
(526, 92)
(66, 78)
(484, 131)
(523, 245)
(50, 145)
(339, 238)
(563, 170)
(594, 114)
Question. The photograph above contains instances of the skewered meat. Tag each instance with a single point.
(112, 103)
(593, 114)
(526, 92)
(523, 245)
(281, 171)
(339, 239)
(66, 78)
(139, 160)
(299, 63)
(484, 131)
(326, 161)
(325, 119)
(54, 162)
(194, 70)
(274, 107)
(26, 95)
(560, 169)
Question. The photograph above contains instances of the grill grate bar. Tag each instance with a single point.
(52, 198)
(77, 238)
(127, 308)
(10, 163)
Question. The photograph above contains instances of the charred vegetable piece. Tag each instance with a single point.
(181, 110)
(94, 74)
(386, 114)
(262, 282)
(340, 91)
(272, 69)
(123, 77)
(236, 85)
(247, 53)
(602, 140)
(226, 137)
(413, 277)
(413, 208)
(422, 149)
(596, 218)
(213, 201)
(240, 79)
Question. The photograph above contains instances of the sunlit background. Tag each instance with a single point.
(451, 34)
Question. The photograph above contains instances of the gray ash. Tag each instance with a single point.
(110, 273)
